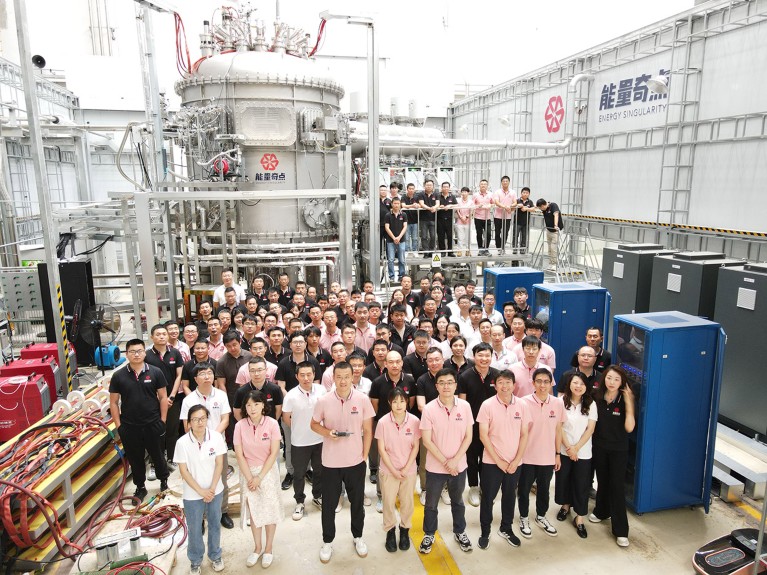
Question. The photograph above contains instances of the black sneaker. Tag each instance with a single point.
(308, 475)
(317, 502)
(140, 493)
(463, 542)
(484, 542)
(287, 482)
(163, 485)
(426, 543)
(374, 477)
(508, 535)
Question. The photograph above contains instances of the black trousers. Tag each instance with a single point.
(540, 475)
(333, 480)
(301, 455)
(483, 233)
(171, 426)
(445, 235)
(474, 458)
(611, 494)
(572, 484)
(494, 479)
(502, 228)
(138, 439)
(519, 237)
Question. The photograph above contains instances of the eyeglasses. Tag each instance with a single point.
(542, 381)
(135, 351)
(199, 419)
(259, 370)
(445, 383)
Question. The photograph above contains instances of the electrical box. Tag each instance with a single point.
(674, 361)
(503, 281)
(24, 400)
(686, 282)
(568, 310)
(627, 275)
(741, 309)
(47, 367)
(21, 288)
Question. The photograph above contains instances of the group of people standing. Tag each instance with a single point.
(427, 416)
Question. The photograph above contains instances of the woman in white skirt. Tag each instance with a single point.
(463, 222)
(257, 444)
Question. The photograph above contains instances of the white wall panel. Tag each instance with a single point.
(622, 184)
(734, 79)
(728, 188)
(545, 179)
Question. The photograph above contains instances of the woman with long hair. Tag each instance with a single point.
(398, 298)
(457, 359)
(573, 479)
(257, 444)
(615, 407)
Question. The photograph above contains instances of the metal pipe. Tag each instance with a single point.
(283, 247)
(266, 256)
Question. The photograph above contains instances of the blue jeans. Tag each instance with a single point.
(194, 510)
(455, 487)
(399, 249)
(411, 237)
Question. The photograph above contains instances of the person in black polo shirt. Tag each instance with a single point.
(323, 357)
(286, 292)
(168, 359)
(204, 313)
(377, 367)
(552, 219)
(199, 355)
(594, 340)
(138, 402)
(410, 206)
(226, 373)
(395, 228)
(445, 216)
(383, 332)
(258, 382)
(524, 207)
(428, 202)
(415, 363)
(590, 376)
(276, 350)
(475, 386)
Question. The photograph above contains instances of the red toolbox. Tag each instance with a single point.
(46, 367)
(24, 400)
(41, 350)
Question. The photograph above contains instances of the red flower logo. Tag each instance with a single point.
(269, 162)
(266, 435)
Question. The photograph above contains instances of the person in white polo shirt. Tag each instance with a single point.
(446, 429)
(344, 419)
(503, 427)
(297, 411)
(200, 456)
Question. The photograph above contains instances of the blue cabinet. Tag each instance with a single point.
(503, 281)
(674, 362)
(567, 311)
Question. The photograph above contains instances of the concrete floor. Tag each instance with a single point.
(661, 543)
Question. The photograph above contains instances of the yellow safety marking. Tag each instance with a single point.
(64, 338)
(440, 560)
(669, 225)
(748, 509)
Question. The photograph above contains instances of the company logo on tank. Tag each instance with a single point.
(269, 162)
(630, 98)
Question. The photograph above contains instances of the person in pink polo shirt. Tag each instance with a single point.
(541, 458)
(503, 428)
(397, 433)
(483, 201)
(344, 419)
(505, 202)
(525, 369)
(446, 429)
(257, 444)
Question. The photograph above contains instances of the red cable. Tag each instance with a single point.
(319, 37)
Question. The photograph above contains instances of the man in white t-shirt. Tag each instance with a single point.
(227, 277)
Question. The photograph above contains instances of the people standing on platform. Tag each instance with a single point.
(138, 403)
(200, 455)
(505, 202)
(428, 202)
(257, 445)
(446, 431)
(573, 479)
(218, 409)
(445, 216)
(553, 222)
(411, 208)
(483, 202)
(464, 207)
(521, 229)
(541, 458)
(384, 207)
(397, 434)
(615, 408)
(504, 421)
(344, 419)
(395, 228)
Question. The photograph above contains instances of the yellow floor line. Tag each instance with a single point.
(440, 560)
(748, 509)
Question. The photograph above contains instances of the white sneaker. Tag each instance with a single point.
(379, 505)
(298, 512)
(622, 541)
(594, 519)
(545, 524)
(360, 547)
(445, 496)
(195, 570)
(151, 475)
(422, 497)
(366, 501)
(252, 559)
(474, 496)
(218, 566)
(524, 527)
(340, 505)
(326, 552)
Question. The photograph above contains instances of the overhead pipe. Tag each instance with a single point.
(502, 144)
